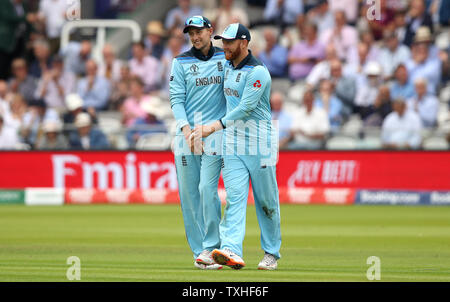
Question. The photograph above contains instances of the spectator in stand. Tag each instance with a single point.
(175, 46)
(149, 124)
(53, 138)
(281, 118)
(53, 14)
(322, 16)
(401, 87)
(176, 16)
(110, 67)
(424, 103)
(94, 89)
(8, 137)
(42, 60)
(121, 88)
(17, 109)
(87, 137)
(154, 42)
(356, 67)
(322, 69)
(423, 63)
(367, 90)
(14, 27)
(274, 56)
(392, 54)
(401, 128)
(283, 12)
(22, 82)
(74, 106)
(146, 67)
(76, 54)
(381, 108)
(416, 17)
(327, 99)
(442, 9)
(344, 88)
(344, 37)
(226, 14)
(131, 108)
(305, 54)
(5, 109)
(311, 125)
(37, 114)
(349, 6)
(55, 84)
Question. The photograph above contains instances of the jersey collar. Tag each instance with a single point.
(199, 55)
(244, 61)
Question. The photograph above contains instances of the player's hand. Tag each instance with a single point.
(196, 143)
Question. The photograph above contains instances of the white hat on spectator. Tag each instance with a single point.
(152, 106)
(74, 101)
(52, 126)
(423, 34)
(373, 69)
(83, 119)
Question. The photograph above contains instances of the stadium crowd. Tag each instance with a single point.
(333, 67)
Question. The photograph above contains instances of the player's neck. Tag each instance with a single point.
(241, 57)
(205, 50)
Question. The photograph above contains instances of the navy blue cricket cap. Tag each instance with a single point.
(196, 21)
(234, 31)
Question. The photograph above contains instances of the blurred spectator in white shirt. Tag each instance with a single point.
(146, 67)
(110, 67)
(424, 103)
(367, 90)
(310, 126)
(55, 84)
(392, 54)
(53, 14)
(9, 138)
(401, 129)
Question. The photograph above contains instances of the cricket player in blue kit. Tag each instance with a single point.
(248, 128)
(196, 96)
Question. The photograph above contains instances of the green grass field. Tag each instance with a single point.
(147, 243)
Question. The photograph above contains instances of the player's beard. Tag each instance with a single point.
(232, 55)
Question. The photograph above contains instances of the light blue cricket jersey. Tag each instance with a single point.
(196, 85)
(247, 92)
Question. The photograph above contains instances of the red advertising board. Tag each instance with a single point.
(156, 170)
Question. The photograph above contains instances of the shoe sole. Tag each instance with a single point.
(211, 269)
(223, 259)
(267, 268)
(200, 261)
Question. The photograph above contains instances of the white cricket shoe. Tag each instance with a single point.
(205, 258)
(269, 262)
(228, 258)
(208, 267)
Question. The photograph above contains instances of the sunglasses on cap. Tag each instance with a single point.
(196, 21)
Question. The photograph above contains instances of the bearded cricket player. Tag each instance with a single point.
(247, 123)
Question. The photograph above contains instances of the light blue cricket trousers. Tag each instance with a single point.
(198, 177)
(237, 173)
